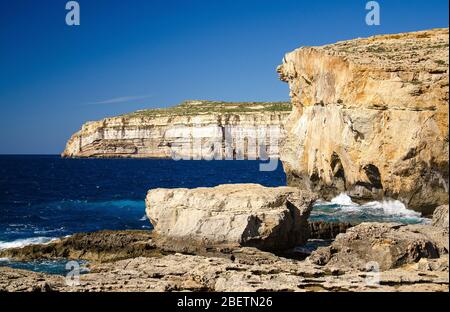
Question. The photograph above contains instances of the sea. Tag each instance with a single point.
(43, 198)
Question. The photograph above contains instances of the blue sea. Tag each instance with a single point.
(43, 198)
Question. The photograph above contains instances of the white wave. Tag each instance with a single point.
(26, 241)
(15, 225)
(143, 218)
(343, 200)
(387, 207)
(393, 208)
(49, 231)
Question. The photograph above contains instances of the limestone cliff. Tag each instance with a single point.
(193, 129)
(370, 118)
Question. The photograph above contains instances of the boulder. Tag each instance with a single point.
(240, 214)
(440, 217)
(383, 246)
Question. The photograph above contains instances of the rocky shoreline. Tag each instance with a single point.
(370, 119)
(367, 257)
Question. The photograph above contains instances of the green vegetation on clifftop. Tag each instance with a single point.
(208, 107)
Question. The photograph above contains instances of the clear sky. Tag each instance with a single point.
(135, 54)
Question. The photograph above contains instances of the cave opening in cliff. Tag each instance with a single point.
(336, 167)
(374, 176)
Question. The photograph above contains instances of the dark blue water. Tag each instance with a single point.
(47, 197)
(44, 197)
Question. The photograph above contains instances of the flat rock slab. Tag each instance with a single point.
(237, 214)
(251, 271)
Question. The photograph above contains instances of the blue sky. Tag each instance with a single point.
(129, 55)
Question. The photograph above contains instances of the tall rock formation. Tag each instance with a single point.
(370, 118)
(192, 130)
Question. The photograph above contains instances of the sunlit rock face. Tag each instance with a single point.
(192, 130)
(232, 215)
(370, 118)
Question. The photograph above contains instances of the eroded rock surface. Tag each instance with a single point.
(102, 246)
(440, 217)
(238, 214)
(15, 280)
(388, 245)
(370, 118)
(248, 270)
(327, 230)
(131, 261)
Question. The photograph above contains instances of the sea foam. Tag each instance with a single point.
(26, 241)
(343, 200)
(342, 208)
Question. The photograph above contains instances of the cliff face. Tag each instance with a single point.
(370, 118)
(192, 130)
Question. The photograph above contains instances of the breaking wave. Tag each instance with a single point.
(343, 209)
(26, 241)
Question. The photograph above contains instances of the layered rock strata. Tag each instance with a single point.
(192, 130)
(238, 214)
(370, 118)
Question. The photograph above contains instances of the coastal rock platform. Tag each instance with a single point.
(247, 269)
(414, 258)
